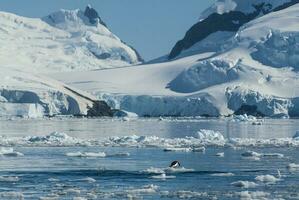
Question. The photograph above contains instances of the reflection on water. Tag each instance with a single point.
(169, 128)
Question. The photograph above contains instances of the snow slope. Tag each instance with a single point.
(237, 79)
(27, 95)
(66, 40)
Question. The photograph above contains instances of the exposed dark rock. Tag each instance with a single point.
(93, 16)
(100, 109)
(102, 56)
(249, 110)
(225, 22)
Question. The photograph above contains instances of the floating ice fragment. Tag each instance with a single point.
(244, 184)
(162, 176)
(220, 154)
(296, 136)
(178, 149)
(223, 174)
(257, 156)
(88, 179)
(10, 152)
(9, 179)
(153, 170)
(86, 154)
(147, 189)
(293, 167)
(209, 135)
(267, 179)
(252, 195)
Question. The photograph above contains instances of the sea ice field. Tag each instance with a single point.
(72, 158)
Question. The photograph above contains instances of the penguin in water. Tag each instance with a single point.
(175, 164)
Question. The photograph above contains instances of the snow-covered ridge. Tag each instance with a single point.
(222, 17)
(66, 40)
(226, 6)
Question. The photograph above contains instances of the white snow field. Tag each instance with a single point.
(253, 71)
(63, 41)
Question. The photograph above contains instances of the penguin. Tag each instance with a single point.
(175, 164)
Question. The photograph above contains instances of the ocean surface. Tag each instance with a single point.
(71, 158)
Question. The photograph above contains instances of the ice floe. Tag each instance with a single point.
(223, 174)
(162, 176)
(147, 189)
(11, 195)
(244, 184)
(269, 179)
(86, 154)
(244, 118)
(87, 179)
(9, 179)
(184, 194)
(220, 154)
(9, 152)
(197, 143)
(257, 156)
(293, 167)
(251, 195)
(167, 170)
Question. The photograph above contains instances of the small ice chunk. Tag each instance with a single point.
(163, 176)
(293, 166)
(209, 135)
(11, 195)
(273, 155)
(199, 149)
(220, 154)
(178, 170)
(10, 152)
(244, 118)
(9, 179)
(88, 179)
(86, 154)
(178, 149)
(72, 191)
(223, 174)
(252, 195)
(244, 184)
(267, 178)
(251, 154)
(147, 189)
(153, 170)
(53, 179)
(296, 136)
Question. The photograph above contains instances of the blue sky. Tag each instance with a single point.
(151, 26)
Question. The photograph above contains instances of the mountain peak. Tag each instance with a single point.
(93, 15)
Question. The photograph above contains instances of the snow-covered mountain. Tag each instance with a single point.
(63, 41)
(221, 21)
(254, 72)
(67, 40)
